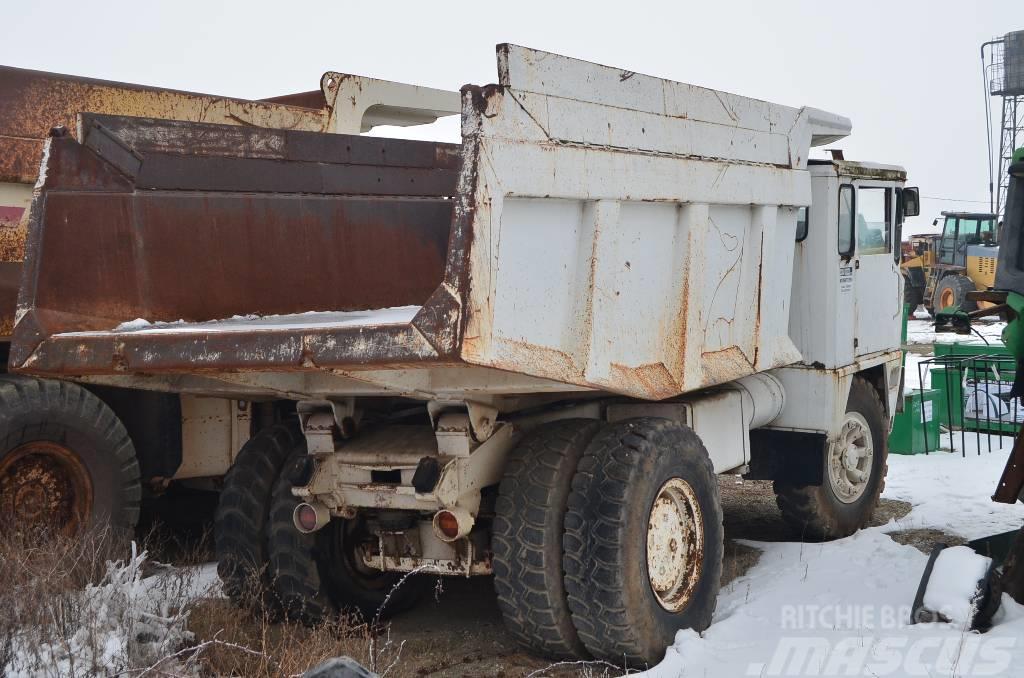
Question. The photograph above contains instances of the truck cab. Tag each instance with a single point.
(846, 278)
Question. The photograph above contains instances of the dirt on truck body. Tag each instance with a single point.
(525, 355)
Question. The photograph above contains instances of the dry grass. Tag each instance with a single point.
(96, 605)
(41, 574)
(273, 648)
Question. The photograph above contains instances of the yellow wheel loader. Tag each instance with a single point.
(941, 269)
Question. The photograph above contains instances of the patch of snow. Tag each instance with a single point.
(842, 608)
(923, 332)
(952, 492)
(912, 375)
(132, 325)
(953, 588)
(396, 315)
(125, 625)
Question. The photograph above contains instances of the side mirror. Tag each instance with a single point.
(911, 201)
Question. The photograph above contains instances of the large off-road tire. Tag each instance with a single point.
(854, 473)
(912, 296)
(241, 524)
(316, 575)
(66, 461)
(643, 540)
(951, 291)
(527, 537)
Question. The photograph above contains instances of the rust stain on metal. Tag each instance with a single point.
(33, 102)
(44, 484)
(12, 241)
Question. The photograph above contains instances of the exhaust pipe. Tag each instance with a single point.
(309, 517)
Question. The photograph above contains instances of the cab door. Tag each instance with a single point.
(873, 251)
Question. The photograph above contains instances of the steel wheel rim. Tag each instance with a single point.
(850, 459)
(675, 544)
(946, 299)
(44, 484)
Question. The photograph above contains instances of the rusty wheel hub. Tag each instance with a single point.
(43, 483)
(675, 544)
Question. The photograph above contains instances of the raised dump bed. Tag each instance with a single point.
(596, 229)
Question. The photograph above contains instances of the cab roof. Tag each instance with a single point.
(863, 170)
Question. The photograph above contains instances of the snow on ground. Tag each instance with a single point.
(952, 492)
(922, 331)
(921, 334)
(841, 608)
(128, 624)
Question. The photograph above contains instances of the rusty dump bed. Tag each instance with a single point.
(171, 221)
(596, 229)
(34, 102)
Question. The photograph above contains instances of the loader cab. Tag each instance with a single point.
(963, 233)
(847, 287)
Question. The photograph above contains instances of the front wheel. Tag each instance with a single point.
(643, 539)
(855, 467)
(951, 292)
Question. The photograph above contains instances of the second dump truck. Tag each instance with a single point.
(526, 355)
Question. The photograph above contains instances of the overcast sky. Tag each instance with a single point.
(907, 73)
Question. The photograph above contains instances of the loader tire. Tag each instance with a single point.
(643, 540)
(952, 291)
(527, 537)
(66, 461)
(912, 296)
(317, 575)
(241, 523)
(840, 505)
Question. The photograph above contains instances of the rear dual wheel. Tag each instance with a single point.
(264, 562)
(320, 574)
(637, 507)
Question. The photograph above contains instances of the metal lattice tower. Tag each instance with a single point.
(1004, 78)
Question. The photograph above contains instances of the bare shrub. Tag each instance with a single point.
(78, 606)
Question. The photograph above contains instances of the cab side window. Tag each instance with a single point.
(846, 215)
(874, 220)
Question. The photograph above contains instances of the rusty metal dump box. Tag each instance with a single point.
(596, 229)
(34, 102)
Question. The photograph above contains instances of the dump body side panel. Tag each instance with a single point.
(631, 233)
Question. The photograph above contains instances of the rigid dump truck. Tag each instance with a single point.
(71, 453)
(526, 355)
